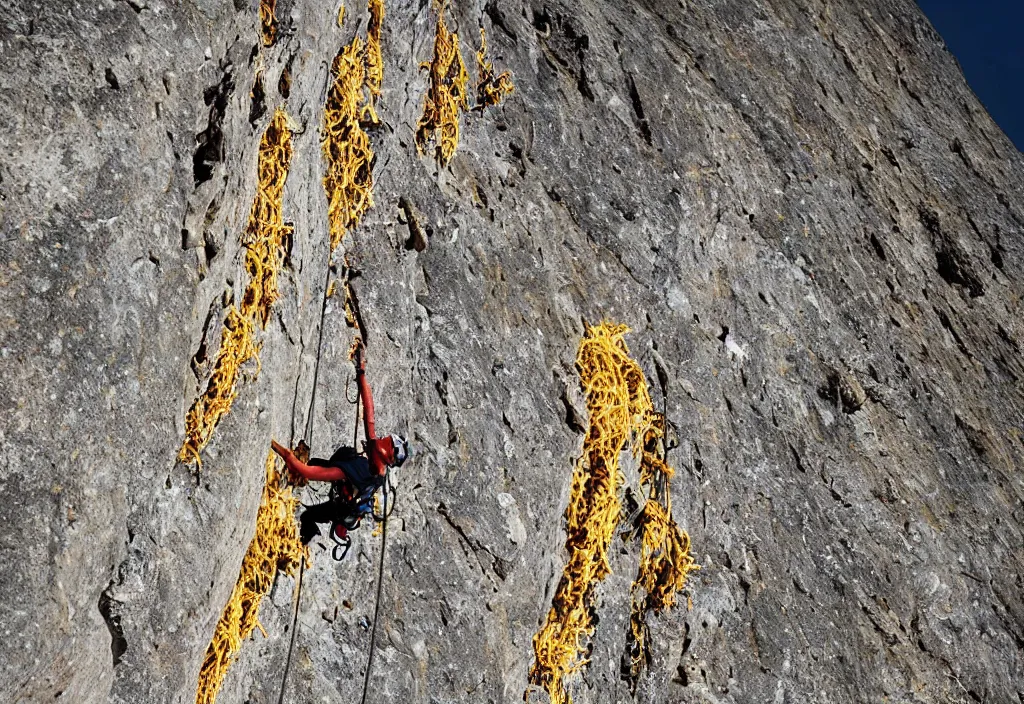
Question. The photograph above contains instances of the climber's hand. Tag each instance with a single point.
(280, 449)
(358, 358)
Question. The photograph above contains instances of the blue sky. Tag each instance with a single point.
(986, 38)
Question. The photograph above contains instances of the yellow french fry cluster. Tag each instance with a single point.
(237, 346)
(593, 512)
(491, 89)
(620, 412)
(266, 235)
(275, 547)
(665, 560)
(268, 21)
(374, 56)
(266, 238)
(358, 72)
(446, 96)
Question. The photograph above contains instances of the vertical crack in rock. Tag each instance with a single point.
(257, 98)
(418, 238)
(284, 82)
(200, 359)
(110, 610)
(446, 96)
(638, 110)
(265, 239)
(275, 547)
(210, 142)
(951, 262)
(619, 410)
(474, 545)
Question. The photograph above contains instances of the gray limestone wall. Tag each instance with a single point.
(799, 207)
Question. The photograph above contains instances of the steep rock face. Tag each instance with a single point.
(811, 225)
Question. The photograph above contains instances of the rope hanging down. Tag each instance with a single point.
(380, 582)
(308, 434)
(295, 625)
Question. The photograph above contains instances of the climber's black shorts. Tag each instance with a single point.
(335, 511)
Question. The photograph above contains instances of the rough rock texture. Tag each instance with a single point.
(800, 208)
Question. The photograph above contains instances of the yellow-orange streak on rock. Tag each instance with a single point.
(490, 89)
(348, 180)
(274, 547)
(266, 240)
(268, 21)
(446, 95)
(267, 237)
(615, 411)
(620, 413)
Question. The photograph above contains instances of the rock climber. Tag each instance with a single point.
(355, 477)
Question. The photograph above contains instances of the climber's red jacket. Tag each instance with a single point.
(379, 451)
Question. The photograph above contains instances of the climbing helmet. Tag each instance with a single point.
(401, 448)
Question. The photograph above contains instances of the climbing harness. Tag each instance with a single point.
(357, 508)
(342, 543)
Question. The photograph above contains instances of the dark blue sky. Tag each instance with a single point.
(986, 37)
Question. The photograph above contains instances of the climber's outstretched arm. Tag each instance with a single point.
(365, 395)
(314, 473)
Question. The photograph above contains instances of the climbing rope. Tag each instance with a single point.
(308, 434)
(319, 348)
(380, 583)
(295, 626)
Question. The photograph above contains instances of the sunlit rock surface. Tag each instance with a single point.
(800, 208)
